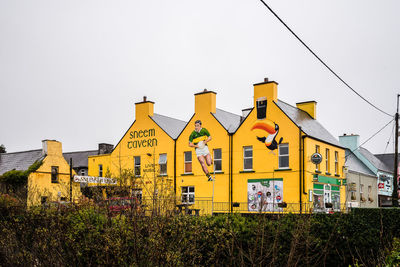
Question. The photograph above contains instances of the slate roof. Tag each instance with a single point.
(309, 126)
(19, 160)
(356, 165)
(173, 127)
(79, 158)
(387, 159)
(374, 160)
(228, 120)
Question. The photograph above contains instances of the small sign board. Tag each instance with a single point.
(316, 158)
(94, 180)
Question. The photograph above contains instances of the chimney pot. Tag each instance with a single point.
(205, 90)
(265, 80)
(144, 98)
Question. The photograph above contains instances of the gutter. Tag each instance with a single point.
(230, 171)
(304, 192)
(300, 171)
(175, 167)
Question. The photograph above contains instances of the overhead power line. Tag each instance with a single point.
(391, 134)
(323, 63)
(370, 138)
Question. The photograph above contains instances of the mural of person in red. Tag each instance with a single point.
(199, 139)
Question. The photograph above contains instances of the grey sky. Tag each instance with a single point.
(72, 70)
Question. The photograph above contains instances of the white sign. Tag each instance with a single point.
(385, 184)
(94, 180)
(264, 194)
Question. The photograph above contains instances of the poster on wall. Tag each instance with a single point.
(264, 194)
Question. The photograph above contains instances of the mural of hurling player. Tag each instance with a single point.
(199, 139)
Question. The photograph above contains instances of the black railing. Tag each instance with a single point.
(205, 206)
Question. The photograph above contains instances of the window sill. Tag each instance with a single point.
(218, 172)
(337, 175)
(186, 174)
(247, 171)
(162, 175)
(317, 171)
(328, 173)
(138, 176)
(283, 169)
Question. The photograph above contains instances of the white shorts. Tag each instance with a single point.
(202, 151)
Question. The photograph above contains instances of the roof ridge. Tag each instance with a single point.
(297, 109)
(287, 103)
(169, 117)
(80, 151)
(373, 155)
(21, 152)
(229, 112)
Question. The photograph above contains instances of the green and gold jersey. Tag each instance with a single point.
(196, 137)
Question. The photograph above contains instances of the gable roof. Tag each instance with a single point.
(19, 160)
(308, 125)
(374, 160)
(173, 127)
(387, 159)
(228, 120)
(79, 158)
(356, 165)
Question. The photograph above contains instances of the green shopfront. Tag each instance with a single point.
(326, 193)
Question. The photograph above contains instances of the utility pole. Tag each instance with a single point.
(396, 164)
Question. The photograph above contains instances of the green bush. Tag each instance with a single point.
(87, 236)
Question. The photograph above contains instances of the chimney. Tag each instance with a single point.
(205, 102)
(264, 93)
(144, 109)
(105, 148)
(268, 89)
(310, 107)
(350, 141)
(51, 147)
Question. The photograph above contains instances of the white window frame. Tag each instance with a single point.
(352, 187)
(55, 178)
(336, 162)
(317, 149)
(362, 198)
(369, 193)
(327, 152)
(283, 155)
(188, 194)
(184, 161)
(100, 170)
(137, 193)
(162, 161)
(137, 167)
(245, 148)
(217, 159)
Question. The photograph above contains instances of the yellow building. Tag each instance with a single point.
(51, 182)
(143, 161)
(193, 186)
(272, 149)
(262, 158)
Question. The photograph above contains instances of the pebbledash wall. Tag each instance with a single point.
(262, 158)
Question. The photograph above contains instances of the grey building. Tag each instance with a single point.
(362, 187)
(80, 158)
(362, 184)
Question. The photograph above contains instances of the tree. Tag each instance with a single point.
(2, 149)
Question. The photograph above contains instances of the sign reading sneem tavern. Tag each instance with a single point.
(142, 138)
